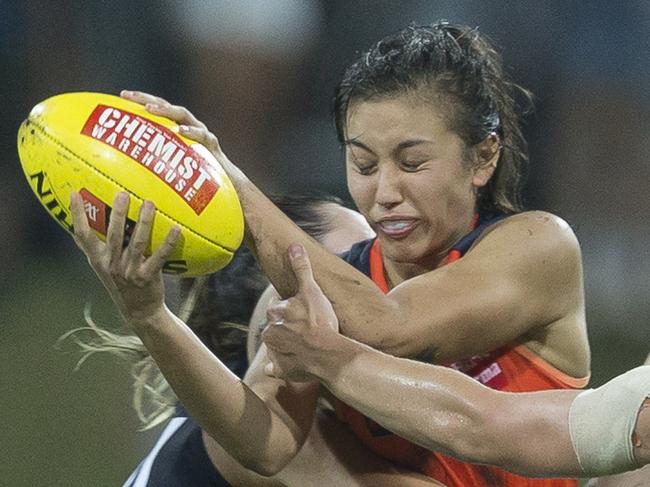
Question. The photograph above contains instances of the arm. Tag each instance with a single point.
(546, 433)
(524, 275)
(446, 411)
(332, 452)
(435, 407)
(262, 429)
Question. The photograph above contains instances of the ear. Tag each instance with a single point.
(487, 152)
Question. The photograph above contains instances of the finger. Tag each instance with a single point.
(295, 309)
(277, 340)
(160, 106)
(83, 235)
(141, 97)
(156, 262)
(177, 113)
(301, 266)
(276, 312)
(141, 235)
(116, 223)
(272, 371)
(201, 135)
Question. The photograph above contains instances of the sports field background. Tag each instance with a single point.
(262, 74)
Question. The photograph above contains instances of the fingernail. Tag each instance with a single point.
(127, 92)
(184, 128)
(122, 197)
(296, 250)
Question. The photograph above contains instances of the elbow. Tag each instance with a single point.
(395, 339)
(264, 470)
(382, 328)
(265, 465)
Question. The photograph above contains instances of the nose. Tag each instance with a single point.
(388, 193)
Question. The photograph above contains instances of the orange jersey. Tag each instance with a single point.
(513, 369)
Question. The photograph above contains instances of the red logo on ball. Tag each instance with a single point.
(158, 149)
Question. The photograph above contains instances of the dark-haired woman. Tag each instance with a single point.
(458, 274)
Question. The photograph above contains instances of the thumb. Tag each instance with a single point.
(301, 266)
(269, 369)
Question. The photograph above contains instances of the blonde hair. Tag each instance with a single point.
(153, 399)
(217, 307)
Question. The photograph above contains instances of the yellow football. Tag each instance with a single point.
(100, 144)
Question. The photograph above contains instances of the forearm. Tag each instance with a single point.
(432, 406)
(446, 411)
(233, 414)
(367, 317)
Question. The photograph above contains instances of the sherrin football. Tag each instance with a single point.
(101, 144)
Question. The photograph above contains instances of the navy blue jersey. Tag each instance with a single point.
(359, 254)
(179, 458)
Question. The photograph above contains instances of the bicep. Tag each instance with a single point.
(520, 277)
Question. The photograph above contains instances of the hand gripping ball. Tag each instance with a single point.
(100, 144)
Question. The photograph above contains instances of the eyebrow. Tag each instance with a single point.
(405, 144)
(353, 141)
(412, 143)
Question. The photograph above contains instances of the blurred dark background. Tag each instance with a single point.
(261, 74)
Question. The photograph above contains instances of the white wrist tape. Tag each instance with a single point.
(602, 420)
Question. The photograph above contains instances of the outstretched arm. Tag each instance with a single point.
(261, 430)
(443, 410)
(524, 275)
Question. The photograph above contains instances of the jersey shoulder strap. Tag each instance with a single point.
(359, 256)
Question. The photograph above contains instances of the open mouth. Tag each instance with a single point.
(397, 228)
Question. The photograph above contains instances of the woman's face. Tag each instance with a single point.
(407, 175)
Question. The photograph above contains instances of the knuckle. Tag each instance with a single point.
(80, 234)
(137, 247)
(115, 272)
(273, 314)
(132, 277)
(296, 305)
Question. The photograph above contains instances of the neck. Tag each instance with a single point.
(398, 272)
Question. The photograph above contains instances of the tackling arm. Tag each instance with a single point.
(523, 278)
(263, 433)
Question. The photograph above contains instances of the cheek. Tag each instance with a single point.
(447, 195)
(360, 190)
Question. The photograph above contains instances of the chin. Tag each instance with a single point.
(401, 251)
(410, 251)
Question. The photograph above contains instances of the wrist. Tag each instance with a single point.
(328, 363)
(236, 175)
(150, 318)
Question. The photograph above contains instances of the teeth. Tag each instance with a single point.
(395, 226)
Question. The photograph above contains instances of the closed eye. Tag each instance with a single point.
(364, 169)
(412, 166)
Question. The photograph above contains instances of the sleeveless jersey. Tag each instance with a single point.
(510, 368)
(179, 458)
